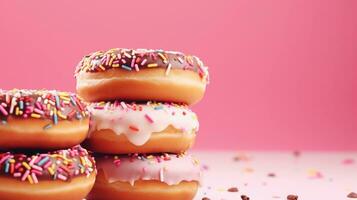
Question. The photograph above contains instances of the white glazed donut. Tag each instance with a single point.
(120, 128)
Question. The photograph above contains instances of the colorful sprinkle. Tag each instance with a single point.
(48, 126)
(133, 128)
(126, 67)
(315, 174)
(3, 111)
(348, 161)
(61, 165)
(34, 115)
(168, 69)
(153, 65)
(149, 118)
(123, 105)
(130, 59)
(117, 162)
(40, 104)
(162, 175)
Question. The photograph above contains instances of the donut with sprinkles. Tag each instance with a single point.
(62, 174)
(141, 75)
(119, 128)
(41, 119)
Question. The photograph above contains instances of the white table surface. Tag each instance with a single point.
(310, 175)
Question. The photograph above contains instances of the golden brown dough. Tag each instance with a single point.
(141, 75)
(58, 175)
(30, 134)
(149, 84)
(148, 190)
(170, 140)
(77, 189)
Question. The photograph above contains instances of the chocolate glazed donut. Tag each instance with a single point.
(63, 174)
(41, 119)
(141, 75)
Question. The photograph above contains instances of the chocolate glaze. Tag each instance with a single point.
(136, 59)
(40, 104)
(58, 165)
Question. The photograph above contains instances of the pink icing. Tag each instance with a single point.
(130, 169)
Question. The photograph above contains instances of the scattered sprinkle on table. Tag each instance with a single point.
(348, 161)
(352, 195)
(297, 153)
(233, 189)
(292, 197)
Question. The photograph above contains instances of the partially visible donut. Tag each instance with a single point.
(150, 177)
(41, 119)
(121, 128)
(141, 75)
(64, 174)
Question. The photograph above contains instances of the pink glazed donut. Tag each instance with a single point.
(150, 177)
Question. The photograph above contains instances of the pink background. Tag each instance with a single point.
(283, 72)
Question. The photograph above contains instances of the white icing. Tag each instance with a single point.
(123, 119)
(171, 172)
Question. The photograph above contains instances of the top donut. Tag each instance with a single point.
(141, 75)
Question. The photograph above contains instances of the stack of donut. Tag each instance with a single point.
(141, 125)
(40, 156)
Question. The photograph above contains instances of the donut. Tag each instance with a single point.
(63, 174)
(150, 177)
(141, 75)
(122, 128)
(41, 119)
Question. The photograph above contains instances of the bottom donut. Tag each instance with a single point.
(152, 177)
(65, 174)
